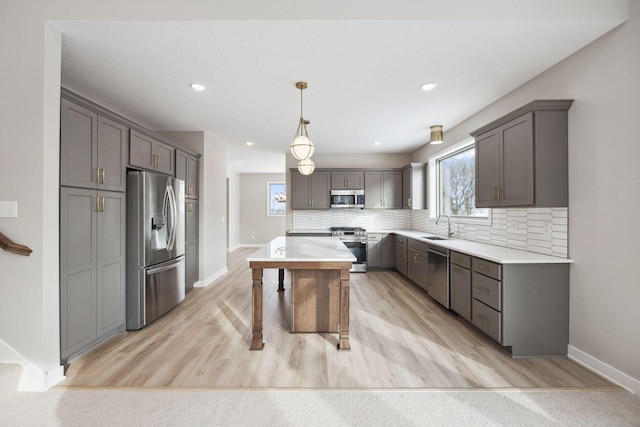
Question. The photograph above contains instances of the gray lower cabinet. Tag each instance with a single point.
(383, 189)
(417, 263)
(93, 149)
(148, 153)
(380, 250)
(523, 307)
(192, 274)
(310, 191)
(460, 284)
(402, 254)
(92, 267)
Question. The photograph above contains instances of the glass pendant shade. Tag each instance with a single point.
(306, 166)
(436, 134)
(302, 147)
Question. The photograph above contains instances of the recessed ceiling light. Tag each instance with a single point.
(249, 143)
(428, 86)
(377, 143)
(197, 87)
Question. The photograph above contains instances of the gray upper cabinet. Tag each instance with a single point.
(148, 153)
(383, 189)
(92, 267)
(522, 158)
(310, 191)
(187, 170)
(414, 186)
(191, 243)
(93, 149)
(347, 180)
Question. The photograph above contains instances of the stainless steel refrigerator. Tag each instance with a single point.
(155, 246)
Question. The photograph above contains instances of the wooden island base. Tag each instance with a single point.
(319, 298)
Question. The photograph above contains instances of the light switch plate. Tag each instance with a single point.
(8, 209)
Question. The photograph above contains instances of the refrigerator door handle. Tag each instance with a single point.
(173, 205)
(164, 267)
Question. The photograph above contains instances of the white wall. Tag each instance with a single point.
(604, 152)
(255, 225)
(234, 209)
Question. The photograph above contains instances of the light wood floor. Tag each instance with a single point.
(399, 337)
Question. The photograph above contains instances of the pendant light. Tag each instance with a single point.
(436, 134)
(302, 147)
(306, 166)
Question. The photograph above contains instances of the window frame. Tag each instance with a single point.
(269, 211)
(434, 202)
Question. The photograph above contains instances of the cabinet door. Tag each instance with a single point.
(111, 244)
(191, 244)
(112, 154)
(78, 146)
(392, 189)
(517, 162)
(300, 196)
(192, 178)
(406, 188)
(181, 165)
(388, 251)
(320, 190)
(373, 254)
(78, 254)
(355, 180)
(487, 169)
(165, 158)
(401, 258)
(339, 180)
(141, 151)
(417, 268)
(373, 189)
(460, 279)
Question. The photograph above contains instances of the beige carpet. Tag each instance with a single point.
(281, 407)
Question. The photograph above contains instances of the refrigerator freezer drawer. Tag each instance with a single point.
(160, 288)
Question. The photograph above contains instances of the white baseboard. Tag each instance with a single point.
(32, 378)
(209, 280)
(605, 370)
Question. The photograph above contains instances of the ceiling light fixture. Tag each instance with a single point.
(306, 166)
(249, 143)
(377, 143)
(197, 87)
(302, 147)
(436, 135)
(428, 86)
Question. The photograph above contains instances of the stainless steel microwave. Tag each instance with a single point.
(347, 199)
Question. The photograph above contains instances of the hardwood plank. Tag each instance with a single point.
(399, 337)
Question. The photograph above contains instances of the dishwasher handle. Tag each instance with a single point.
(438, 250)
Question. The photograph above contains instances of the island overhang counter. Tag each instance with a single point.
(320, 274)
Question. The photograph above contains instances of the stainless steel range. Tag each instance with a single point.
(354, 238)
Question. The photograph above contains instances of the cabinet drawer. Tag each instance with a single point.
(463, 260)
(374, 237)
(487, 268)
(418, 245)
(486, 290)
(401, 240)
(487, 320)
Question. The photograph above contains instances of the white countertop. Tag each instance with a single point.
(296, 248)
(494, 253)
(320, 231)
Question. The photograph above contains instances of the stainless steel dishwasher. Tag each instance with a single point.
(438, 274)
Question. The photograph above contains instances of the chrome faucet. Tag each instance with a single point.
(449, 232)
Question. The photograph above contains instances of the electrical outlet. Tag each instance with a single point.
(8, 209)
(548, 228)
(512, 224)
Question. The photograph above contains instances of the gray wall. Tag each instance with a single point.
(603, 192)
(234, 209)
(255, 225)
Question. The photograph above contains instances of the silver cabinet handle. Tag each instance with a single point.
(484, 290)
(485, 319)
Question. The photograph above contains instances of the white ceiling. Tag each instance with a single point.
(364, 76)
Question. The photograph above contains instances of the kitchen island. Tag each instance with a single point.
(319, 269)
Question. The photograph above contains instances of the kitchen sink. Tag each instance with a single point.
(434, 238)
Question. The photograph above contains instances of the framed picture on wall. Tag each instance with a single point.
(276, 198)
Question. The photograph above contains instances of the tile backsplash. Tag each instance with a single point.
(540, 230)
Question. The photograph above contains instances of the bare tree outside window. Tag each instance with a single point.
(457, 185)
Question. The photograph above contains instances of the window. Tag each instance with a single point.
(456, 184)
(276, 198)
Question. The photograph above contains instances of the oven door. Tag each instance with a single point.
(359, 250)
